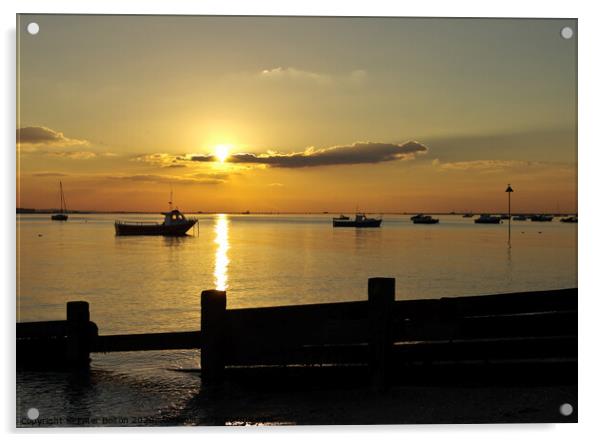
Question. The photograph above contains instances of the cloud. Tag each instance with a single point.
(41, 135)
(356, 153)
(49, 174)
(294, 74)
(291, 74)
(74, 155)
(205, 179)
(494, 166)
(165, 160)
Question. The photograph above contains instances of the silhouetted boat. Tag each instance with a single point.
(360, 221)
(505, 216)
(569, 219)
(542, 218)
(487, 219)
(174, 224)
(62, 215)
(519, 218)
(424, 219)
(467, 215)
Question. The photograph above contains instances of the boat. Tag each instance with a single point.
(542, 218)
(467, 215)
(62, 215)
(569, 219)
(519, 218)
(487, 219)
(505, 216)
(174, 224)
(424, 219)
(361, 220)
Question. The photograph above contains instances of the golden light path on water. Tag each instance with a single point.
(221, 252)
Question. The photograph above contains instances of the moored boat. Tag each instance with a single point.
(62, 215)
(519, 218)
(569, 219)
(361, 220)
(424, 219)
(487, 219)
(542, 218)
(174, 224)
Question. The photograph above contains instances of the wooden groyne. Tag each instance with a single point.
(380, 334)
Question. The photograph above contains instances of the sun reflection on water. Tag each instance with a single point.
(221, 252)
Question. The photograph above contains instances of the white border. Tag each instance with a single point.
(590, 76)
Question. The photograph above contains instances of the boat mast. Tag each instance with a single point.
(63, 203)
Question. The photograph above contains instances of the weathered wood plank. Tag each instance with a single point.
(147, 342)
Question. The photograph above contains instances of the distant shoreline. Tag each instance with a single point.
(27, 211)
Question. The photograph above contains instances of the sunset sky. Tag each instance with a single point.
(296, 114)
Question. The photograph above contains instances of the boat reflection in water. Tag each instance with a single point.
(220, 273)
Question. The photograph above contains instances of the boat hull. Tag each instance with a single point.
(59, 217)
(124, 229)
(360, 224)
(488, 221)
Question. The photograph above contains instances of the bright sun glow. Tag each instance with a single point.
(221, 152)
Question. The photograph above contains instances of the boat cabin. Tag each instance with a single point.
(174, 217)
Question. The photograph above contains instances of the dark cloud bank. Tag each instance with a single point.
(44, 135)
(356, 153)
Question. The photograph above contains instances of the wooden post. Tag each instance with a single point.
(213, 336)
(78, 339)
(381, 297)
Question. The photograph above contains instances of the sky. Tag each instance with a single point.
(296, 114)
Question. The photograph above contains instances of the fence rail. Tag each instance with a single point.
(380, 333)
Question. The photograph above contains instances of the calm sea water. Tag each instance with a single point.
(146, 284)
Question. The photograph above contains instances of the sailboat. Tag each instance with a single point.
(62, 215)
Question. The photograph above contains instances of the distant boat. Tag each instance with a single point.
(542, 218)
(62, 215)
(467, 215)
(487, 219)
(519, 218)
(361, 220)
(424, 219)
(505, 216)
(174, 224)
(569, 219)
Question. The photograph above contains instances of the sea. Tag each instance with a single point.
(153, 284)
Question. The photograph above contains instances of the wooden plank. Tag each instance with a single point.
(215, 345)
(147, 342)
(508, 303)
(561, 347)
(301, 355)
(41, 329)
(527, 324)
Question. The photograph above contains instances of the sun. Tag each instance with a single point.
(221, 152)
